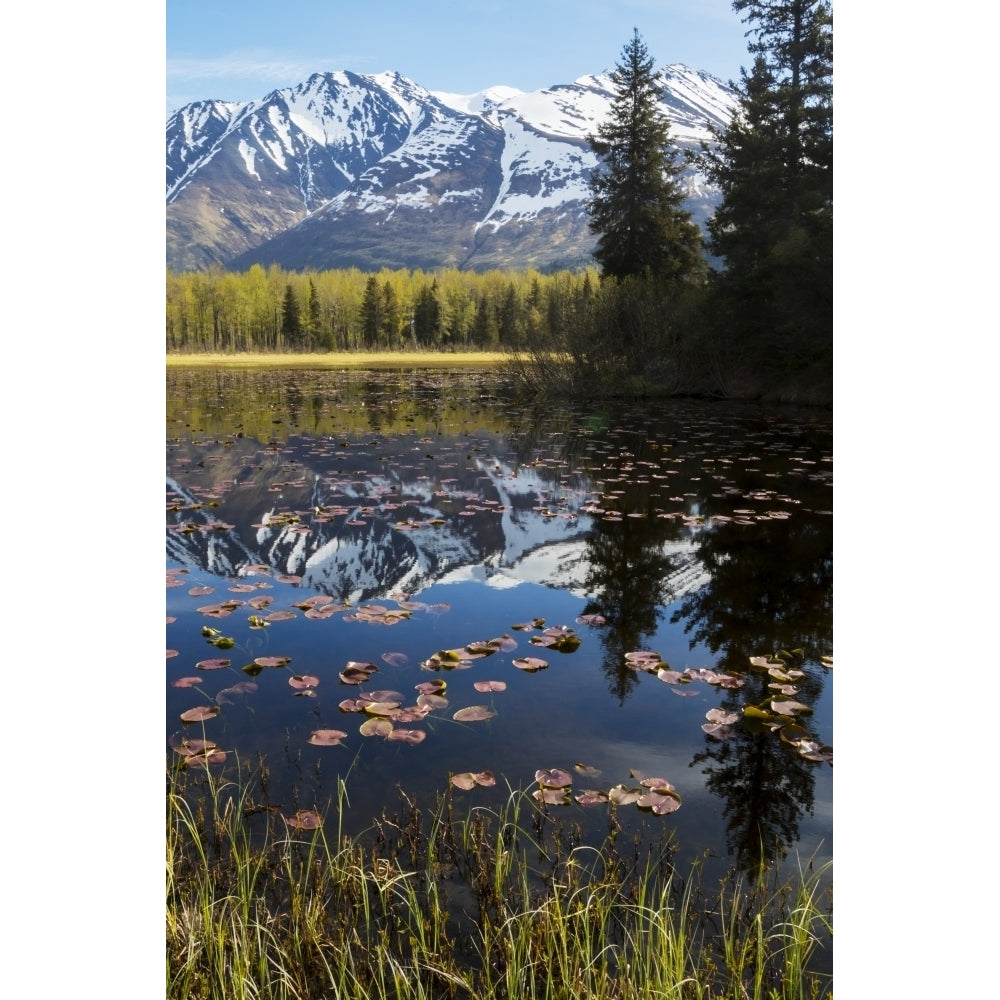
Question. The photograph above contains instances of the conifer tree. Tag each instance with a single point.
(774, 164)
(636, 199)
(315, 321)
(371, 312)
(291, 319)
(427, 315)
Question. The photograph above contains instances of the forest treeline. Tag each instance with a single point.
(746, 313)
(350, 310)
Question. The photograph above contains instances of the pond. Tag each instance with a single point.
(403, 581)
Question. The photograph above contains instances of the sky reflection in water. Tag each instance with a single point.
(700, 531)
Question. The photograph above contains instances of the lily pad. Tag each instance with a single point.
(376, 726)
(790, 708)
(591, 797)
(474, 713)
(432, 701)
(407, 735)
(357, 673)
(385, 709)
(186, 682)
(529, 663)
(554, 778)
(201, 713)
(468, 780)
(717, 715)
(815, 752)
(302, 681)
(490, 686)
(226, 695)
(272, 661)
(551, 796)
(305, 819)
(623, 796)
(327, 737)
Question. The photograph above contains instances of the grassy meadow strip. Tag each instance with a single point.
(488, 904)
(342, 359)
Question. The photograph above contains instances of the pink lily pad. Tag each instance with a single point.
(201, 713)
(301, 681)
(717, 715)
(474, 713)
(469, 779)
(213, 664)
(591, 797)
(623, 796)
(205, 758)
(659, 802)
(305, 819)
(186, 682)
(554, 778)
(272, 661)
(529, 663)
(376, 726)
(407, 735)
(490, 686)
(327, 737)
(551, 796)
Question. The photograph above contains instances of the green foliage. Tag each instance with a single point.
(635, 205)
(275, 310)
(268, 911)
(291, 321)
(774, 228)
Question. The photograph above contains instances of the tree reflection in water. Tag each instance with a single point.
(770, 589)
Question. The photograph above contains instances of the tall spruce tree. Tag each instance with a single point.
(774, 165)
(291, 318)
(636, 200)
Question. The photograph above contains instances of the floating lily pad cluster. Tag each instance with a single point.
(197, 753)
(656, 795)
(780, 712)
(652, 662)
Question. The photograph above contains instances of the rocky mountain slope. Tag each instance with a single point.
(372, 171)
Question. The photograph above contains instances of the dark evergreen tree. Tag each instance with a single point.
(485, 333)
(389, 331)
(774, 164)
(636, 200)
(314, 323)
(291, 319)
(427, 315)
(371, 312)
(508, 330)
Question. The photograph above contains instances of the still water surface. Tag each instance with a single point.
(432, 514)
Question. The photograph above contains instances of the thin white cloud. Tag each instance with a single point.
(244, 65)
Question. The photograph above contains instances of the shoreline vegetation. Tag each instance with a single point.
(448, 902)
(341, 359)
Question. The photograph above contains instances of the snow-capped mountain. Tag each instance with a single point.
(375, 171)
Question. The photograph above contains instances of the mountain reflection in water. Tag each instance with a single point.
(701, 531)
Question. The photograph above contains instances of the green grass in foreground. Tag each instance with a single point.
(341, 359)
(487, 905)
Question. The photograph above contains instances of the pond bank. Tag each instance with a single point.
(341, 359)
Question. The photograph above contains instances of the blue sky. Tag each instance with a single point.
(242, 49)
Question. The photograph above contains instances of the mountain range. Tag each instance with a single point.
(371, 171)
